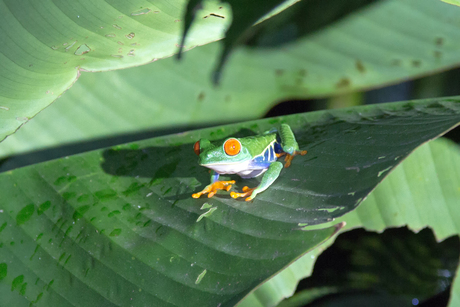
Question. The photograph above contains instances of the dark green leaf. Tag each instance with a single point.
(122, 227)
(397, 262)
(421, 192)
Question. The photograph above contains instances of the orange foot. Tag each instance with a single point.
(246, 192)
(212, 188)
(289, 157)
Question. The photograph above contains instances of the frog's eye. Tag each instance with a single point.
(232, 147)
(196, 148)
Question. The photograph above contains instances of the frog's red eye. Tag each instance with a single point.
(232, 147)
(196, 148)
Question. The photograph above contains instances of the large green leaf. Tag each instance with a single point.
(45, 45)
(119, 226)
(318, 64)
(423, 191)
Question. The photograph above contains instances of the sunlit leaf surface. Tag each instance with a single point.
(45, 45)
(365, 48)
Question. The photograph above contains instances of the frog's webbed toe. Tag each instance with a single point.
(212, 188)
(246, 192)
(288, 158)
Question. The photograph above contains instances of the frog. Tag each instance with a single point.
(248, 157)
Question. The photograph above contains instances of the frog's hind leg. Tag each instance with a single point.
(269, 177)
(289, 145)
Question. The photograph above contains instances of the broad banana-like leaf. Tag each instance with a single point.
(45, 45)
(381, 43)
(118, 226)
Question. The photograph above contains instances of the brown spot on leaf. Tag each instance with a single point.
(142, 11)
(201, 96)
(416, 63)
(279, 72)
(396, 62)
(437, 54)
(344, 82)
(360, 67)
(439, 41)
(214, 15)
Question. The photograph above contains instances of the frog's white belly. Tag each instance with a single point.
(243, 169)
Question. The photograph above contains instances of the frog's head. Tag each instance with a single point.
(228, 152)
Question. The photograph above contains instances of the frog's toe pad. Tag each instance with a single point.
(246, 192)
(212, 193)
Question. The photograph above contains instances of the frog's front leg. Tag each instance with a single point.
(289, 145)
(269, 177)
(211, 189)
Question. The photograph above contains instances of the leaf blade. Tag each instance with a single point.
(109, 206)
(47, 44)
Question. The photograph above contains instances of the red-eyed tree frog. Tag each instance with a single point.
(248, 157)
